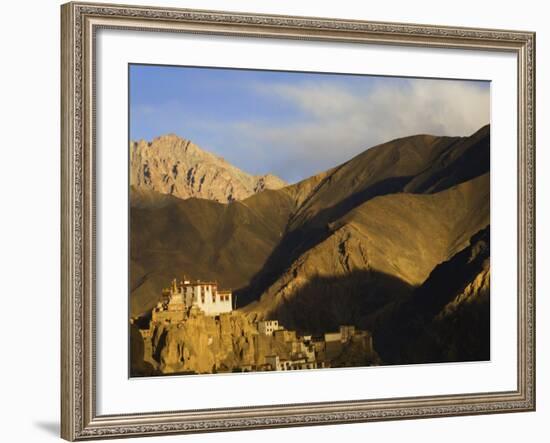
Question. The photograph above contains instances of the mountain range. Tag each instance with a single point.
(395, 240)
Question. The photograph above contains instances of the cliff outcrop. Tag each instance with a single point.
(205, 344)
(202, 344)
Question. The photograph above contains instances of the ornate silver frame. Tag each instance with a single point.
(80, 21)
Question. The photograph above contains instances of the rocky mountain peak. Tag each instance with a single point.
(173, 165)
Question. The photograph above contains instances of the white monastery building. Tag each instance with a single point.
(205, 295)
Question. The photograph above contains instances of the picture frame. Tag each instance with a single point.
(80, 25)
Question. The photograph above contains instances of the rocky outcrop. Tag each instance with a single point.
(230, 342)
(175, 166)
(204, 344)
(474, 292)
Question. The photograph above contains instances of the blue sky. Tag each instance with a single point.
(295, 125)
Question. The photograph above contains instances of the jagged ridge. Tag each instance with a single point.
(175, 166)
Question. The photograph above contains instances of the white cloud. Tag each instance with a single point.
(338, 122)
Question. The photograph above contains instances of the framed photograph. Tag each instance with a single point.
(282, 221)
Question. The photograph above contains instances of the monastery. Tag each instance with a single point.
(180, 297)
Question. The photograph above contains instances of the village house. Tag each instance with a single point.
(268, 327)
(276, 363)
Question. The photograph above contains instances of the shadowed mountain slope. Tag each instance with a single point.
(419, 163)
(392, 238)
(201, 238)
(447, 318)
